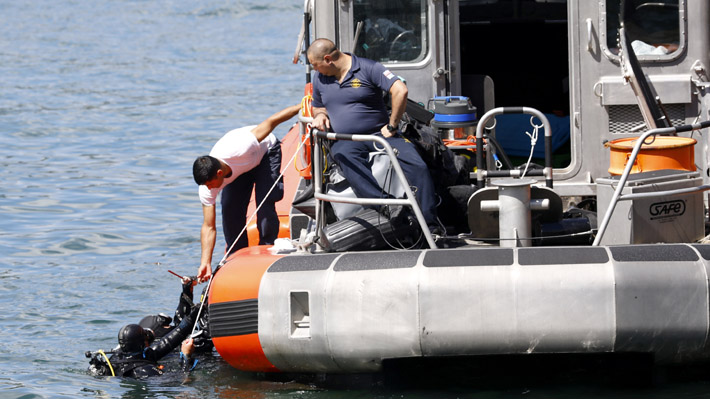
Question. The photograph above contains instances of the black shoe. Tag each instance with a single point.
(437, 231)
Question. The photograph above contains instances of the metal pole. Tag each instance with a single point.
(411, 200)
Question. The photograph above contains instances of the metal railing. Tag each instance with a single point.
(320, 195)
(616, 197)
(482, 173)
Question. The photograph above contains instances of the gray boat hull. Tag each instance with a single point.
(345, 313)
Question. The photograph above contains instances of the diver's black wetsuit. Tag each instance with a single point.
(160, 323)
(145, 364)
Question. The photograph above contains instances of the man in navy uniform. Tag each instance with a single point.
(347, 97)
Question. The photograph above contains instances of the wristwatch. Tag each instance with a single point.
(391, 128)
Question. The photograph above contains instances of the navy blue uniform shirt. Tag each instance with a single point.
(355, 106)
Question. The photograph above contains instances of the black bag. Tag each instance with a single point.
(442, 162)
(371, 230)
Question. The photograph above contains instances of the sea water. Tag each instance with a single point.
(104, 104)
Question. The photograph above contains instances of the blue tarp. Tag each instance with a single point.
(511, 128)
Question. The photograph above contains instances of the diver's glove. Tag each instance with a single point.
(187, 286)
(185, 303)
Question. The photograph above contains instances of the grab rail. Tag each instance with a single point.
(630, 163)
(653, 194)
(410, 199)
(482, 173)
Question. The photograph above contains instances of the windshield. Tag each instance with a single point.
(391, 31)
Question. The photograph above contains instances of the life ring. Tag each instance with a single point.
(304, 156)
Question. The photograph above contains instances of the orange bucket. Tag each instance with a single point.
(663, 152)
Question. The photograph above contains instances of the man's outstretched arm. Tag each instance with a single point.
(208, 237)
(266, 127)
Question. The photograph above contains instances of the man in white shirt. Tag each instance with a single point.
(243, 159)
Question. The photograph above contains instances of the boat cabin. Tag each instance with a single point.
(560, 57)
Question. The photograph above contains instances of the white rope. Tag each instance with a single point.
(226, 254)
(533, 141)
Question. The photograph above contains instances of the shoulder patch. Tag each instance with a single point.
(388, 74)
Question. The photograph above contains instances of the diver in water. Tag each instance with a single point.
(138, 351)
(162, 324)
(138, 357)
(142, 345)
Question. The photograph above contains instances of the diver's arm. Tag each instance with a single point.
(163, 346)
(186, 351)
(185, 302)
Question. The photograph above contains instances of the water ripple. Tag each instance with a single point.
(104, 106)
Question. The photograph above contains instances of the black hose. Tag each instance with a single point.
(499, 150)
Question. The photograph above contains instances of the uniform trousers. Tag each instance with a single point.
(353, 159)
(237, 194)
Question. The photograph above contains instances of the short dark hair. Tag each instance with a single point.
(205, 169)
(322, 47)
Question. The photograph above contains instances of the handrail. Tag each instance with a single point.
(688, 190)
(410, 199)
(482, 173)
(630, 163)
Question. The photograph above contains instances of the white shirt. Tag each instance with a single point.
(240, 150)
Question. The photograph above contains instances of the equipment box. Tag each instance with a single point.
(668, 218)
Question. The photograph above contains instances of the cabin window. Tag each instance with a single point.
(391, 31)
(654, 28)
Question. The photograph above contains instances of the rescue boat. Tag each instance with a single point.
(602, 254)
